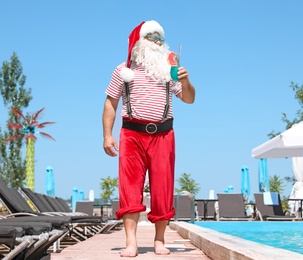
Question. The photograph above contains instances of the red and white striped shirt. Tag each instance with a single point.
(147, 96)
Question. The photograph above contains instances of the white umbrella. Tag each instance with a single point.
(297, 190)
(287, 144)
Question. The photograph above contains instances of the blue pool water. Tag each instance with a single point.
(281, 234)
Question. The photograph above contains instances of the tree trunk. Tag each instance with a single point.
(30, 164)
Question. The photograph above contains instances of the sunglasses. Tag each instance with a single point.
(154, 37)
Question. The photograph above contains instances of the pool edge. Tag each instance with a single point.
(221, 246)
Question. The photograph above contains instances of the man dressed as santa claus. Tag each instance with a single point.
(147, 142)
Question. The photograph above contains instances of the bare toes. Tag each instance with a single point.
(160, 249)
(129, 252)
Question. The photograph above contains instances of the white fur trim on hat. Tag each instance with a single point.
(127, 74)
(151, 27)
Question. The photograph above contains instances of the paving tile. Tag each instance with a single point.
(108, 246)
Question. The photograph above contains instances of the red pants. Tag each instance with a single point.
(139, 153)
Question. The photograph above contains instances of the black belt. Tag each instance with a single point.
(150, 128)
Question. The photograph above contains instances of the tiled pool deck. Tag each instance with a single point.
(108, 246)
(186, 241)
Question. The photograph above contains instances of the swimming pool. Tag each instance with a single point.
(281, 234)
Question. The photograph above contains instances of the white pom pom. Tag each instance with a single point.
(127, 74)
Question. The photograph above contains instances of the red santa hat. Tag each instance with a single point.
(138, 33)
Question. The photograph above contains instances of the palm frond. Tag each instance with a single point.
(46, 135)
(15, 126)
(18, 113)
(12, 137)
(42, 125)
(35, 116)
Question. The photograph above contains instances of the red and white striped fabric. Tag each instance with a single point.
(147, 96)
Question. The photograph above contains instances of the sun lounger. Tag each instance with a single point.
(86, 207)
(231, 207)
(17, 204)
(184, 206)
(49, 205)
(31, 239)
(91, 224)
(38, 201)
(115, 207)
(270, 212)
(64, 204)
(81, 227)
(8, 241)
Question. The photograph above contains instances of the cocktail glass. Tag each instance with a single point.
(174, 69)
(174, 72)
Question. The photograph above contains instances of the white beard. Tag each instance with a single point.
(153, 58)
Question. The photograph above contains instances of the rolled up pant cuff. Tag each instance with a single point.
(167, 216)
(121, 212)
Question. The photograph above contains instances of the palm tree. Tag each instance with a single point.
(108, 186)
(29, 124)
(276, 184)
(187, 184)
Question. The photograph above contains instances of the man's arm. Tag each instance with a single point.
(108, 119)
(188, 91)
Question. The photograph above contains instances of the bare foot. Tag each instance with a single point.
(130, 251)
(160, 249)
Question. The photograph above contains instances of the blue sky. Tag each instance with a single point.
(241, 56)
